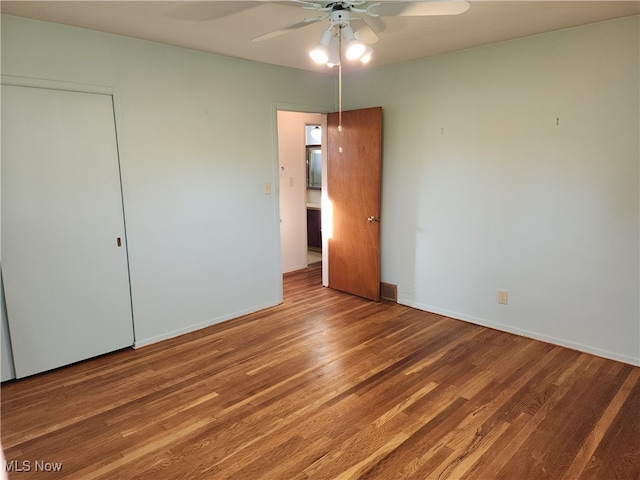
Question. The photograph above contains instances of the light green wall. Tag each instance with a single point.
(197, 139)
(483, 191)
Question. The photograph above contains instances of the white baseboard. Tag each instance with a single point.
(192, 328)
(526, 333)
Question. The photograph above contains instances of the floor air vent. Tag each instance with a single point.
(388, 291)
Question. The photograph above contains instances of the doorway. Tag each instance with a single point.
(350, 219)
(313, 170)
(300, 200)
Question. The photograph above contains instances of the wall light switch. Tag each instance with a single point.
(267, 188)
(503, 297)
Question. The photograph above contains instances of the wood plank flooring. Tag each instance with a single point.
(329, 386)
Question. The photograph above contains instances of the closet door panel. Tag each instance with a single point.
(64, 269)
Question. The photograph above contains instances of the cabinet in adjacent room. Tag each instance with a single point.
(314, 229)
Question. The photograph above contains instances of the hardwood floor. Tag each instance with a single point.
(330, 386)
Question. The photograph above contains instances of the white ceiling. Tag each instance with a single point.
(227, 27)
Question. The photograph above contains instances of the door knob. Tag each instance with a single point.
(373, 219)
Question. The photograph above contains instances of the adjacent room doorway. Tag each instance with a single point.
(350, 200)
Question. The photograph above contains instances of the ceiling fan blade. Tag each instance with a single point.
(305, 3)
(308, 3)
(281, 31)
(201, 11)
(376, 23)
(420, 8)
(367, 33)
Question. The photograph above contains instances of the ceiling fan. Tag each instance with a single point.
(341, 13)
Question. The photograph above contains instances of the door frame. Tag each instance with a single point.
(326, 207)
(114, 93)
(114, 101)
(322, 110)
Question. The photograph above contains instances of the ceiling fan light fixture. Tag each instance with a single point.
(366, 56)
(354, 46)
(334, 52)
(320, 53)
(355, 49)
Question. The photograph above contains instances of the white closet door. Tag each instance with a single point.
(65, 276)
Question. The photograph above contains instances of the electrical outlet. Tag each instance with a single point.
(503, 297)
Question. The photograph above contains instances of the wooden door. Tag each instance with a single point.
(64, 261)
(354, 168)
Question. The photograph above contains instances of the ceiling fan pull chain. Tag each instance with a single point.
(340, 92)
